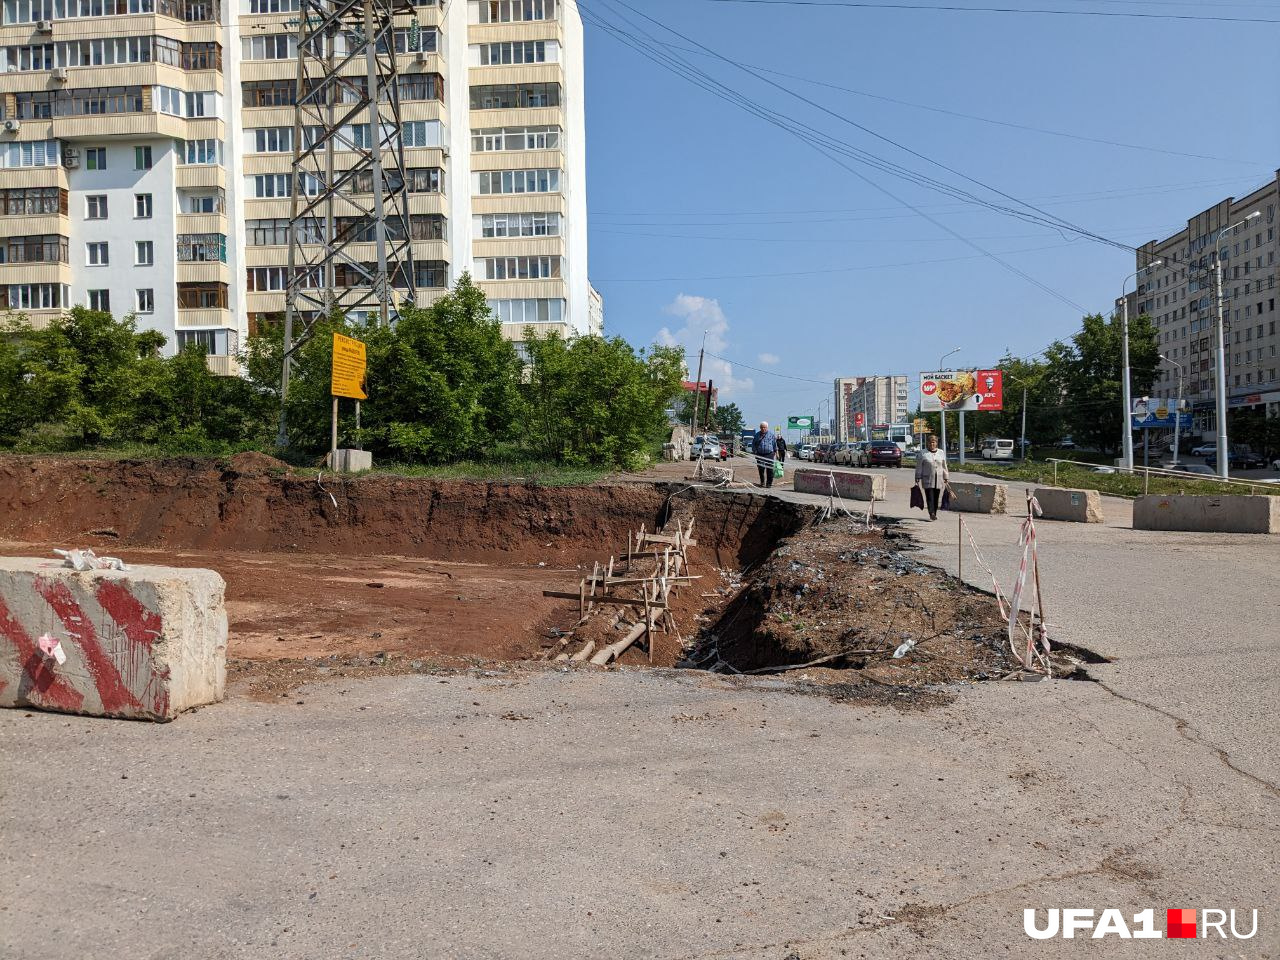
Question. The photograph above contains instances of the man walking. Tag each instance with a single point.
(765, 447)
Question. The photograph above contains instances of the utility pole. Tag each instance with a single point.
(1220, 373)
(1127, 401)
(697, 388)
(1023, 441)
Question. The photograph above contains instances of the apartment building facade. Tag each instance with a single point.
(881, 400)
(146, 150)
(1180, 296)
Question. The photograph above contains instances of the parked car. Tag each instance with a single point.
(1066, 443)
(724, 451)
(848, 455)
(1275, 464)
(821, 452)
(836, 453)
(806, 451)
(882, 453)
(994, 449)
(1203, 450)
(1197, 468)
(1238, 461)
(706, 448)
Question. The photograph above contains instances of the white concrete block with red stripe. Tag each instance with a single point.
(145, 643)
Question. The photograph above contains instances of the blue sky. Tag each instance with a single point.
(704, 217)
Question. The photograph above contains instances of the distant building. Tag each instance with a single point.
(595, 312)
(1180, 295)
(880, 400)
(703, 389)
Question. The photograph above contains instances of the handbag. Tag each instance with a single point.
(917, 497)
(946, 497)
(777, 469)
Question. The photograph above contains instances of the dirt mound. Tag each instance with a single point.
(844, 597)
(252, 462)
(252, 504)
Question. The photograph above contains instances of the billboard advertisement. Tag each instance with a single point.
(799, 423)
(962, 390)
(1156, 414)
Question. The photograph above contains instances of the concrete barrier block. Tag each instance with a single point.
(145, 643)
(979, 497)
(1201, 514)
(353, 461)
(1079, 506)
(850, 486)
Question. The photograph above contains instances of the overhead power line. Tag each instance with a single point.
(1038, 11)
(829, 146)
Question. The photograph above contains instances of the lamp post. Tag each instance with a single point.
(1220, 374)
(942, 414)
(1177, 411)
(1125, 387)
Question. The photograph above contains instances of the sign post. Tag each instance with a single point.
(346, 380)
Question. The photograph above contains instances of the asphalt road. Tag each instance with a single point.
(675, 814)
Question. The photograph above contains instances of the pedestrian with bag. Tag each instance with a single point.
(765, 448)
(932, 476)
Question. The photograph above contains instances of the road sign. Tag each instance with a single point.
(799, 423)
(347, 378)
(919, 425)
(857, 420)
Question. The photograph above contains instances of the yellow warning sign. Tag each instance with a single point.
(348, 368)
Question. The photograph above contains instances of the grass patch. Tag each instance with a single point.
(1113, 484)
(537, 472)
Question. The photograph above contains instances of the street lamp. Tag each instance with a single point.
(1177, 411)
(942, 414)
(1126, 399)
(1221, 372)
(1023, 441)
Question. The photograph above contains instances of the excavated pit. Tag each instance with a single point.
(376, 570)
(333, 576)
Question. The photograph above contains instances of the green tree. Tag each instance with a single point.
(728, 418)
(1088, 371)
(595, 401)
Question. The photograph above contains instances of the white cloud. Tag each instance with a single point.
(704, 314)
(769, 359)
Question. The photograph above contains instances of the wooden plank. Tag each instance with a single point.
(621, 601)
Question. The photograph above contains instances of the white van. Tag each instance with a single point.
(997, 449)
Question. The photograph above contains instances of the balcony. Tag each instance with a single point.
(222, 366)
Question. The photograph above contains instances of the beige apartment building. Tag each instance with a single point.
(146, 146)
(1180, 296)
(882, 401)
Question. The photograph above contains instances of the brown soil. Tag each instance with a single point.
(839, 598)
(401, 571)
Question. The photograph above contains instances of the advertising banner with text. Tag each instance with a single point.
(962, 390)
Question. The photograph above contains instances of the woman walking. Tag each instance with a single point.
(932, 475)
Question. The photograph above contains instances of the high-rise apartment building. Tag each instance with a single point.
(1180, 296)
(146, 148)
(881, 401)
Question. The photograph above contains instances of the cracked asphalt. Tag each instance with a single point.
(673, 814)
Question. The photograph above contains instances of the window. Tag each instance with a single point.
(506, 96)
(273, 6)
(517, 181)
(519, 225)
(146, 302)
(269, 93)
(272, 46)
(142, 158)
(428, 40)
(199, 151)
(95, 158)
(35, 296)
(142, 206)
(202, 296)
(517, 268)
(275, 232)
(100, 300)
(215, 343)
(95, 206)
(510, 11)
(518, 51)
(515, 138)
(32, 201)
(528, 311)
(97, 254)
(144, 253)
(423, 133)
(420, 86)
(40, 248)
(202, 202)
(270, 139)
(31, 153)
(202, 248)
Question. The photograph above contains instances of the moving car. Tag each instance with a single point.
(1197, 468)
(882, 453)
(993, 449)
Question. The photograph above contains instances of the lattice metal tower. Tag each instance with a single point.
(349, 239)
